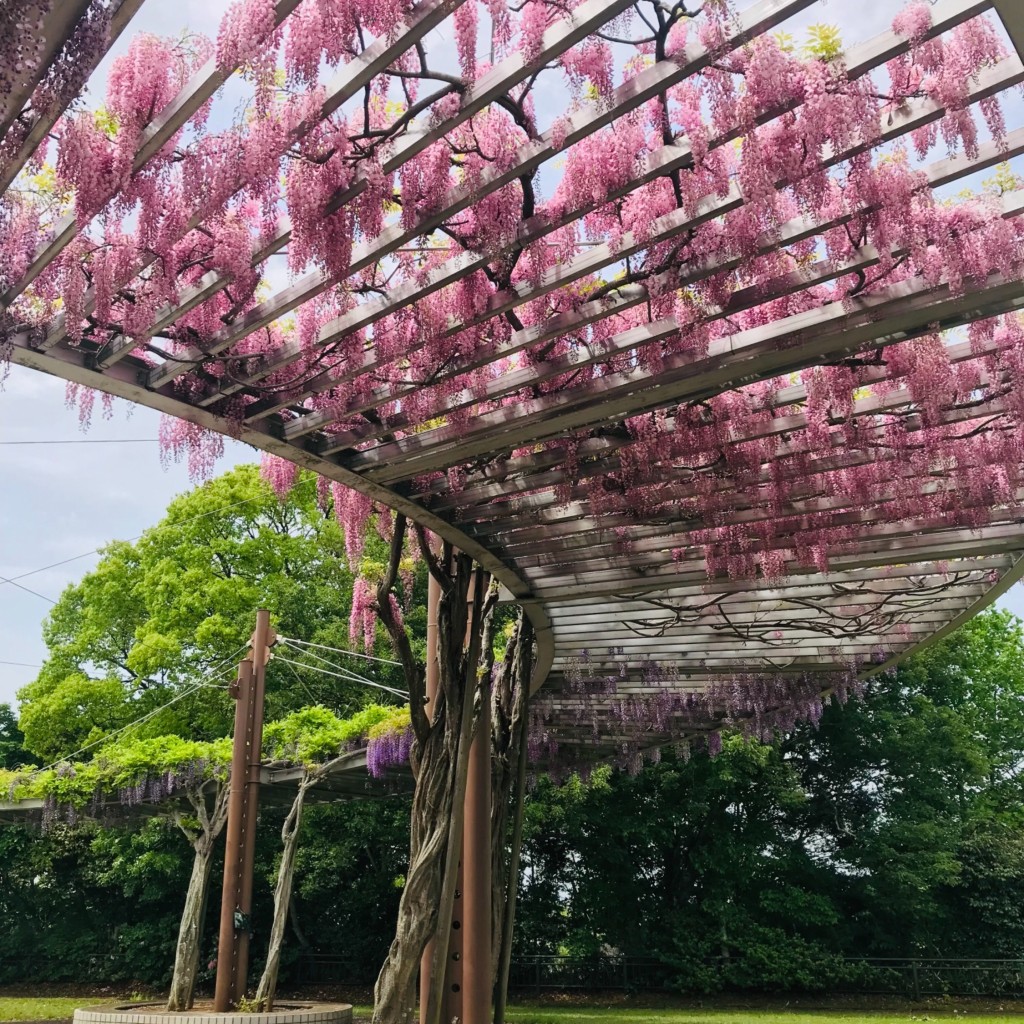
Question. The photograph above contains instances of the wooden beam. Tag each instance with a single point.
(863, 59)
(201, 87)
(44, 120)
(123, 381)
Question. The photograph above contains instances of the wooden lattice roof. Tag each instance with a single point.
(637, 587)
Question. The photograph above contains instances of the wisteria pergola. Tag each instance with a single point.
(682, 333)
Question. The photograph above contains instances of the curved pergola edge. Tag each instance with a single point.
(124, 380)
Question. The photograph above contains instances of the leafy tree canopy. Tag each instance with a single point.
(12, 740)
(891, 830)
(177, 607)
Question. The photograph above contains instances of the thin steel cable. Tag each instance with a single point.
(94, 551)
(323, 661)
(347, 678)
(301, 682)
(338, 650)
(230, 658)
(355, 676)
(28, 590)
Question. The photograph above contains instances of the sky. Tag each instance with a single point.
(64, 500)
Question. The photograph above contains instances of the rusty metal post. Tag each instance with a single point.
(476, 862)
(455, 972)
(227, 946)
(431, 683)
(261, 640)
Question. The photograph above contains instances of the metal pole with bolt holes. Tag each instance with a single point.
(262, 639)
(227, 952)
(243, 807)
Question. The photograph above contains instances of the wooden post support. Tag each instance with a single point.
(261, 641)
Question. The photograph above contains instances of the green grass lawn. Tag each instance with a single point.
(46, 1008)
(57, 1007)
(634, 1015)
(568, 1015)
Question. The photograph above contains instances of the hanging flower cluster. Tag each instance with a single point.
(458, 267)
(671, 713)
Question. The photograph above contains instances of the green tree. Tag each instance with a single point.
(12, 740)
(891, 830)
(902, 785)
(166, 611)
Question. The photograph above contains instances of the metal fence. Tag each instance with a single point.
(534, 975)
(915, 977)
(937, 976)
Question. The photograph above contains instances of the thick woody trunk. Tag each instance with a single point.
(440, 762)
(186, 957)
(267, 987)
(509, 720)
(186, 954)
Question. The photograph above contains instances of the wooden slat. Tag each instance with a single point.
(511, 71)
(760, 589)
(627, 341)
(862, 59)
(687, 635)
(894, 593)
(648, 556)
(798, 515)
(203, 84)
(816, 336)
(348, 81)
(936, 545)
(532, 519)
(44, 120)
(596, 259)
(940, 173)
(59, 22)
(479, 502)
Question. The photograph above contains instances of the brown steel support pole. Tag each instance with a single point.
(476, 862)
(431, 682)
(261, 641)
(226, 946)
(512, 883)
(455, 973)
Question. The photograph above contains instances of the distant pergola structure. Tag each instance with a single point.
(506, 469)
(350, 780)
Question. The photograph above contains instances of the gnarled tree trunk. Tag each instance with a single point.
(440, 761)
(267, 987)
(211, 823)
(509, 724)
